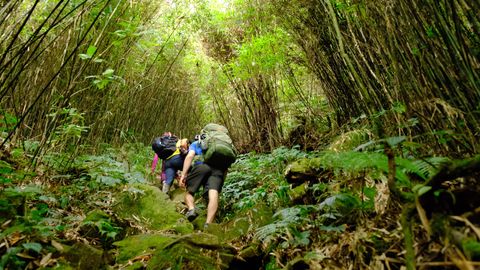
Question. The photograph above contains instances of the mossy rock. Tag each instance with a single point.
(297, 194)
(142, 244)
(215, 229)
(250, 257)
(183, 226)
(150, 207)
(83, 256)
(193, 251)
(177, 195)
(305, 170)
(251, 219)
(199, 222)
(250, 251)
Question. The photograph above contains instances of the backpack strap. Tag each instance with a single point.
(182, 143)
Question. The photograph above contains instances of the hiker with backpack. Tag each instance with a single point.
(206, 164)
(172, 152)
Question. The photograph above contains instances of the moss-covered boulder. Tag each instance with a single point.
(249, 257)
(83, 256)
(193, 251)
(303, 170)
(298, 194)
(150, 207)
(177, 195)
(248, 220)
(183, 226)
(140, 245)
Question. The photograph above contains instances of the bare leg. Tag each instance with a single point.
(212, 205)
(189, 200)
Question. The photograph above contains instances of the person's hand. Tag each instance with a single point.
(181, 181)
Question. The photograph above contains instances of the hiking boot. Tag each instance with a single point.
(205, 226)
(165, 188)
(191, 215)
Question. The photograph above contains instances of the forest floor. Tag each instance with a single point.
(289, 209)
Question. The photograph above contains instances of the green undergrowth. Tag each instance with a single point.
(347, 192)
(273, 216)
(258, 178)
(64, 202)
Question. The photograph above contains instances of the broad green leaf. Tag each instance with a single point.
(33, 246)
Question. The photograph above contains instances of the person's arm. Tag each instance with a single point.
(186, 166)
(163, 176)
(154, 163)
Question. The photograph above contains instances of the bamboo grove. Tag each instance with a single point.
(76, 73)
(371, 56)
(75, 67)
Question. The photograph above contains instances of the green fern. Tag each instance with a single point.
(423, 168)
(258, 178)
(338, 206)
(269, 232)
(353, 162)
(288, 220)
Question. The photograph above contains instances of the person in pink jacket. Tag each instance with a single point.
(171, 164)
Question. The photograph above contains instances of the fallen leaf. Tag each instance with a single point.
(23, 255)
(15, 237)
(58, 246)
(5, 224)
(45, 260)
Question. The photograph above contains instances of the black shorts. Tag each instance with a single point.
(206, 176)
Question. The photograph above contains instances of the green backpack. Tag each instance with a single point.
(217, 146)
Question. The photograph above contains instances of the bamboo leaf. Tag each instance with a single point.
(91, 50)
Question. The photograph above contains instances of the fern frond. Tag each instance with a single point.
(287, 219)
(423, 168)
(265, 232)
(352, 162)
